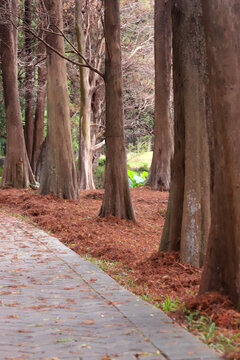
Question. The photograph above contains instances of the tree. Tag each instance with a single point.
(29, 81)
(137, 42)
(17, 171)
(116, 199)
(89, 81)
(188, 216)
(58, 173)
(222, 27)
(38, 134)
(159, 176)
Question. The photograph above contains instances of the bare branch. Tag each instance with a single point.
(98, 146)
(63, 56)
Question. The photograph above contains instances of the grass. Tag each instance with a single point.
(200, 325)
(171, 305)
(139, 160)
(102, 263)
(206, 329)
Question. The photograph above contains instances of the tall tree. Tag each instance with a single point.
(17, 171)
(222, 27)
(29, 81)
(188, 216)
(58, 173)
(89, 80)
(159, 176)
(117, 199)
(38, 134)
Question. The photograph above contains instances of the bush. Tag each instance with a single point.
(136, 179)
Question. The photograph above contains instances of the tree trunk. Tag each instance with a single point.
(222, 27)
(190, 188)
(117, 199)
(17, 171)
(29, 82)
(159, 176)
(58, 174)
(38, 135)
(85, 175)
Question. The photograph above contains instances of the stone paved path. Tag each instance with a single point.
(56, 305)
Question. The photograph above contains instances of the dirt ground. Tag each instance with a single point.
(129, 252)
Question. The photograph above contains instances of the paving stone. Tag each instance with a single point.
(50, 307)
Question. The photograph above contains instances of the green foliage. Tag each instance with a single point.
(99, 172)
(102, 160)
(210, 333)
(171, 305)
(136, 179)
(102, 263)
(147, 298)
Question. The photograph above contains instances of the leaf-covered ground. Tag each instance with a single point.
(129, 253)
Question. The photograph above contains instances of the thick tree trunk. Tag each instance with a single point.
(117, 199)
(190, 188)
(17, 171)
(222, 27)
(29, 82)
(38, 136)
(159, 176)
(59, 174)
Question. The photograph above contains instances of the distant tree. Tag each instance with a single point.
(222, 28)
(116, 199)
(92, 49)
(188, 216)
(17, 171)
(159, 176)
(58, 173)
(38, 134)
(137, 42)
(29, 80)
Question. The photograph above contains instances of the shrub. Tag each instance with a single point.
(136, 179)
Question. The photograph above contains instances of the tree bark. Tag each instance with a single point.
(58, 174)
(29, 82)
(17, 171)
(159, 176)
(85, 175)
(222, 27)
(117, 199)
(38, 135)
(190, 188)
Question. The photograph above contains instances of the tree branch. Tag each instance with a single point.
(98, 146)
(63, 56)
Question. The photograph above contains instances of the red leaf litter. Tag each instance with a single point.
(127, 251)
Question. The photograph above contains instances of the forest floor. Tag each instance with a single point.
(128, 252)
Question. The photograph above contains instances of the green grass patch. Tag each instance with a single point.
(139, 161)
